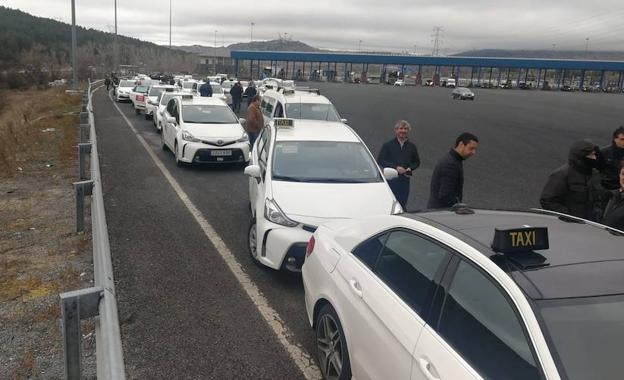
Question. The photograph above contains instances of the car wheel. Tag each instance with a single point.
(137, 111)
(162, 142)
(331, 345)
(175, 154)
(252, 242)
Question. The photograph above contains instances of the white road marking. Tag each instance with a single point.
(301, 358)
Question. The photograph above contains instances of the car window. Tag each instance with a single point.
(261, 139)
(368, 251)
(312, 111)
(263, 153)
(171, 106)
(483, 327)
(279, 110)
(269, 109)
(209, 114)
(408, 264)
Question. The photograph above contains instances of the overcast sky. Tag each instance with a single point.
(405, 25)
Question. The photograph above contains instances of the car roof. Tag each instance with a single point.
(584, 259)
(314, 130)
(299, 96)
(207, 100)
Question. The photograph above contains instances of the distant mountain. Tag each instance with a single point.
(548, 54)
(273, 45)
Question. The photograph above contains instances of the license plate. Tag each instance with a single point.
(221, 152)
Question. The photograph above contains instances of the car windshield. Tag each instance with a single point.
(216, 88)
(210, 114)
(323, 161)
(165, 99)
(156, 91)
(141, 89)
(312, 111)
(127, 83)
(588, 335)
(187, 84)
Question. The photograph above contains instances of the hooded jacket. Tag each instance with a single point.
(574, 189)
(610, 159)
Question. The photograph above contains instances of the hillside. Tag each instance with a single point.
(549, 54)
(272, 45)
(37, 44)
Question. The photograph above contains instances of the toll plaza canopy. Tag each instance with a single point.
(382, 59)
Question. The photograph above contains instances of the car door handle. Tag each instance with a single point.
(425, 368)
(356, 288)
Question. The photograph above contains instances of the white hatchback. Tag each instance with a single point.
(304, 173)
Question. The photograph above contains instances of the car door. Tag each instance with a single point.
(385, 289)
(168, 127)
(475, 332)
(258, 152)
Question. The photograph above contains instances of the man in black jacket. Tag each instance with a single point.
(610, 159)
(250, 92)
(447, 180)
(237, 96)
(574, 188)
(402, 155)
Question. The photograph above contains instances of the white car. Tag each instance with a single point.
(301, 104)
(138, 97)
(190, 87)
(151, 103)
(203, 130)
(123, 89)
(219, 93)
(163, 100)
(304, 173)
(399, 82)
(467, 294)
(463, 93)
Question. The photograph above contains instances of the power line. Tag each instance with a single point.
(437, 31)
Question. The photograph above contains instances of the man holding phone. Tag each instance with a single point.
(402, 155)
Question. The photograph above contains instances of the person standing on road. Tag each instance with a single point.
(574, 188)
(610, 159)
(205, 89)
(250, 92)
(614, 212)
(107, 82)
(402, 155)
(255, 121)
(447, 180)
(237, 96)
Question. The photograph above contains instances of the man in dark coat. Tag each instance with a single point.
(107, 82)
(574, 188)
(237, 96)
(610, 159)
(402, 155)
(447, 180)
(614, 212)
(205, 89)
(250, 92)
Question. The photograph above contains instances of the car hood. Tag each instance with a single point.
(315, 202)
(226, 132)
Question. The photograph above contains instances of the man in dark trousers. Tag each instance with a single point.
(610, 159)
(237, 96)
(574, 188)
(205, 89)
(250, 92)
(447, 180)
(402, 155)
(107, 82)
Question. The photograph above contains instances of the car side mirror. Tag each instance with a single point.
(344, 121)
(390, 173)
(242, 121)
(253, 171)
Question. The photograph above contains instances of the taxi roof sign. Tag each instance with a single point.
(517, 240)
(187, 97)
(283, 122)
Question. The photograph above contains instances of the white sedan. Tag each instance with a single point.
(151, 103)
(304, 173)
(203, 130)
(467, 294)
(123, 90)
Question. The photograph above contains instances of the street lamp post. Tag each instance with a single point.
(586, 46)
(115, 44)
(252, 25)
(169, 24)
(215, 54)
(73, 47)
(360, 46)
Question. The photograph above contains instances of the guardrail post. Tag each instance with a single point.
(81, 188)
(83, 150)
(76, 305)
(84, 131)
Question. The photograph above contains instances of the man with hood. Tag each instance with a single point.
(610, 159)
(574, 188)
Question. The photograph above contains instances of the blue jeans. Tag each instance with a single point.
(252, 138)
(400, 188)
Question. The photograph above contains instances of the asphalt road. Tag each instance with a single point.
(184, 315)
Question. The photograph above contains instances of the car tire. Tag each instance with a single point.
(148, 117)
(331, 345)
(252, 242)
(137, 111)
(162, 142)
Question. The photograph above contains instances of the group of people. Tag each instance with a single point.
(589, 186)
(236, 92)
(447, 182)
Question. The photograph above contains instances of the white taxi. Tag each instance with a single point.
(467, 294)
(203, 130)
(301, 104)
(151, 103)
(123, 89)
(163, 100)
(304, 173)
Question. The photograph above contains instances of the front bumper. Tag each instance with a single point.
(201, 153)
(282, 247)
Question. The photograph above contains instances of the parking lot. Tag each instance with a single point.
(180, 308)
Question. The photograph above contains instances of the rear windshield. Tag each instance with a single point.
(165, 99)
(312, 111)
(127, 83)
(156, 91)
(588, 335)
(141, 89)
(210, 114)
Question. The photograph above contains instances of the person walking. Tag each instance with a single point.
(402, 155)
(107, 82)
(614, 212)
(574, 188)
(250, 92)
(205, 89)
(255, 121)
(447, 180)
(610, 158)
(237, 96)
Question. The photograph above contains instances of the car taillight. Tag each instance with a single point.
(140, 98)
(310, 246)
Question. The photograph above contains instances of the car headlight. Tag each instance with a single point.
(273, 213)
(245, 138)
(396, 208)
(186, 136)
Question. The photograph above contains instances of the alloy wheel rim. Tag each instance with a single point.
(329, 344)
(253, 242)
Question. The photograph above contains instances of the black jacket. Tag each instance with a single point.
(250, 92)
(574, 188)
(614, 213)
(447, 181)
(610, 159)
(237, 92)
(205, 90)
(392, 155)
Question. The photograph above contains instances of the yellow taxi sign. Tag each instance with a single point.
(283, 123)
(516, 240)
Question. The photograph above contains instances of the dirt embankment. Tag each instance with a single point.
(40, 254)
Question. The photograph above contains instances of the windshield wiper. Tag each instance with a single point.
(340, 180)
(287, 178)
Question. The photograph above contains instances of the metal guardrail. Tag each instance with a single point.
(98, 301)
